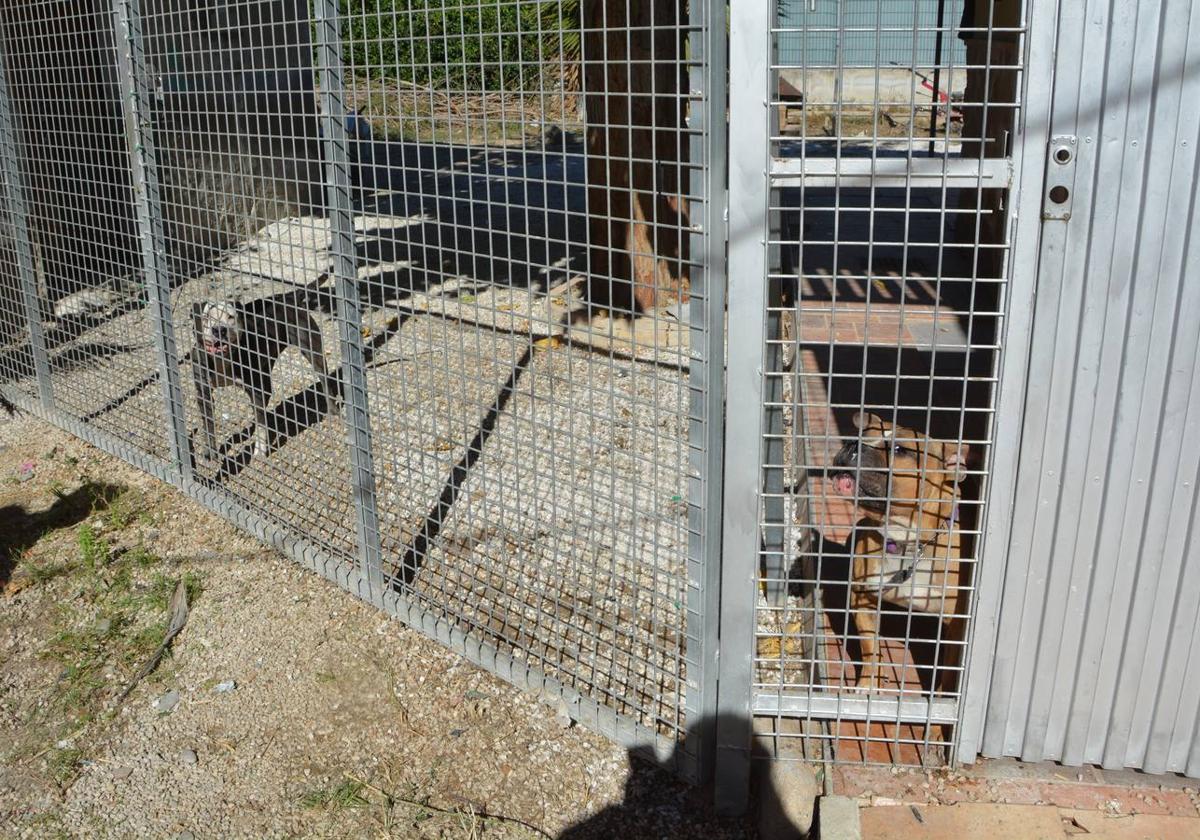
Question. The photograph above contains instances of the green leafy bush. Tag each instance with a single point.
(462, 45)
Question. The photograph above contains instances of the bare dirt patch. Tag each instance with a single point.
(300, 711)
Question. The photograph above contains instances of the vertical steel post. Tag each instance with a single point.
(1030, 151)
(774, 530)
(136, 99)
(749, 40)
(937, 77)
(707, 372)
(340, 213)
(14, 197)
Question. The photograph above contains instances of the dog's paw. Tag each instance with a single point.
(867, 683)
(332, 389)
(203, 450)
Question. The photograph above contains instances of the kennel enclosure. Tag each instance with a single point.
(602, 287)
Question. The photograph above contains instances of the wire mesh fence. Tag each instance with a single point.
(887, 253)
(418, 291)
(431, 296)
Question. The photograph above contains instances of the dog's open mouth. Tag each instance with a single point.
(217, 348)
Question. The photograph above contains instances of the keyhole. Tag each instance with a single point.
(1063, 155)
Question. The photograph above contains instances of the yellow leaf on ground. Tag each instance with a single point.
(16, 584)
(776, 647)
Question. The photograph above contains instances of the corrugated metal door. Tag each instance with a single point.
(1094, 652)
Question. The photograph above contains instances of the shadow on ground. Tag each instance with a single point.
(20, 529)
(657, 805)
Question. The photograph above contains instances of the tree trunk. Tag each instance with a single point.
(634, 80)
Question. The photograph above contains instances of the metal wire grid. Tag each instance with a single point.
(532, 478)
(885, 295)
(64, 123)
(532, 467)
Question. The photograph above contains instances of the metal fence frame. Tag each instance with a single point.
(723, 443)
(1030, 155)
(706, 136)
(754, 448)
(726, 385)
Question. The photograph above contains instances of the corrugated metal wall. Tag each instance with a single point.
(1095, 655)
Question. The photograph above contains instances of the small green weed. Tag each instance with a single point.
(93, 549)
(42, 572)
(64, 765)
(348, 794)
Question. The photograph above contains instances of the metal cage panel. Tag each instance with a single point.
(430, 295)
(878, 269)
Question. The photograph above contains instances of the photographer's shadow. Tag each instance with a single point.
(656, 804)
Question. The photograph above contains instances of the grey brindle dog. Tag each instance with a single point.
(239, 344)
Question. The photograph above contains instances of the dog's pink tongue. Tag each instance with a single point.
(844, 484)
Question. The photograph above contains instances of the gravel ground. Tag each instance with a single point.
(340, 723)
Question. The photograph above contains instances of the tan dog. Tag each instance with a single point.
(907, 548)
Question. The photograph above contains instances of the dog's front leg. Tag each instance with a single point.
(308, 339)
(262, 433)
(204, 404)
(866, 625)
(329, 390)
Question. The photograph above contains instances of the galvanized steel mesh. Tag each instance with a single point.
(491, 220)
(887, 251)
(499, 228)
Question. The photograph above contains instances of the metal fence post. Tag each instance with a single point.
(340, 212)
(1030, 150)
(749, 38)
(136, 98)
(707, 372)
(14, 197)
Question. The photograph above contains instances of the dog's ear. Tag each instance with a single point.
(956, 456)
(863, 420)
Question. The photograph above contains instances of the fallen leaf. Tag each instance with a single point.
(17, 584)
(177, 611)
(775, 647)
(548, 343)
